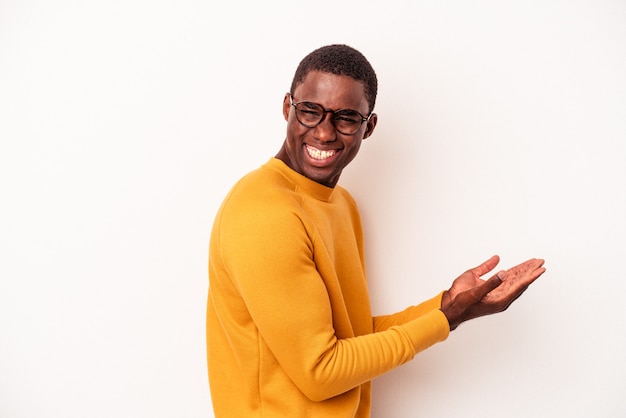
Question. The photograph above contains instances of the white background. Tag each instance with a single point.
(502, 129)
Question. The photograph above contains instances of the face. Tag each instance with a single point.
(321, 153)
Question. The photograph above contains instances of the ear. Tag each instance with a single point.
(371, 124)
(286, 106)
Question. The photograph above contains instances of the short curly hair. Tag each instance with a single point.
(339, 59)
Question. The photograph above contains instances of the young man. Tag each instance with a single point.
(289, 327)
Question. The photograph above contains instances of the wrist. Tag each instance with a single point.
(445, 298)
(452, 322)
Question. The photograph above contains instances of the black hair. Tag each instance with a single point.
(339, 60)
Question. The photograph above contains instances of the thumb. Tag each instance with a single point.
(489, 285)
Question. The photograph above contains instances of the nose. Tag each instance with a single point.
(325, 131)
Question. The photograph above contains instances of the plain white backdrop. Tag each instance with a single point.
(502, 130)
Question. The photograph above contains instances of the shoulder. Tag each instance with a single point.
(261, 189)
(261, 200)
(262, 210)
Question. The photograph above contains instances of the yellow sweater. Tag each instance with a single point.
(289, 327)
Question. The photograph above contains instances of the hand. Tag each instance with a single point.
(471, 297)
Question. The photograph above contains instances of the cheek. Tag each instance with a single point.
(295, 130)
(353, 150)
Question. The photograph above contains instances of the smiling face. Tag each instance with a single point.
(321, 153)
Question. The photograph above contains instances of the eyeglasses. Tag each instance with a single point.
(346, 121)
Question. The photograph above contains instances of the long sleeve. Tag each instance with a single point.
(384, 322)
(272, 264)
(288, 312)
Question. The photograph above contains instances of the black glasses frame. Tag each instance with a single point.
(334, 112)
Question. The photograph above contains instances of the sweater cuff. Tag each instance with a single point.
(428, 329)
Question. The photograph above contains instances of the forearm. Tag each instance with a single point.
(347, 363)
(384, 322)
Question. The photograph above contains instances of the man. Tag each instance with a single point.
(289, 327)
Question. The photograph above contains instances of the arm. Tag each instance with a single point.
(384, 322)
(471, 297)
(270, 261)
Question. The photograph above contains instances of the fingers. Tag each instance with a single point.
(524, 273)
(526, 266)
(515, 282)
(486, 267)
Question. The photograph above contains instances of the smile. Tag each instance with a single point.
(318, 154)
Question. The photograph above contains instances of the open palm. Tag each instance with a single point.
(471, 297)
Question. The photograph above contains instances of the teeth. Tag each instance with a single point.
(319, 154)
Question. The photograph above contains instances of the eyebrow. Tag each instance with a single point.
(342, 110)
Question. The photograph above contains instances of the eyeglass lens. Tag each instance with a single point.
(311, 114)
